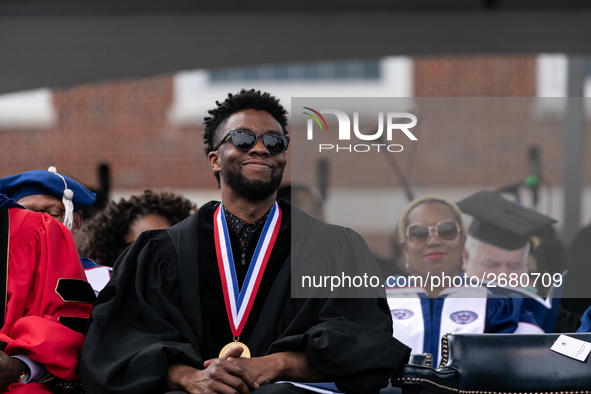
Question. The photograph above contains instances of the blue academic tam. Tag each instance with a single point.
(45, 182)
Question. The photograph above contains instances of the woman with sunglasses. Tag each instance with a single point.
(424, 306)
(432, 237)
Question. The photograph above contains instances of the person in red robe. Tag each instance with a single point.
(46, 298)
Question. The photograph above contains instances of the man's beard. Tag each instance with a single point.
(252, 190)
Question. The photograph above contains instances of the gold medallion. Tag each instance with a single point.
(231, 345)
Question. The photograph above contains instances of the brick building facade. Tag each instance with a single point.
(127, 125)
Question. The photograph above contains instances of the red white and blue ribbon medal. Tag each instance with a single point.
(239, 303)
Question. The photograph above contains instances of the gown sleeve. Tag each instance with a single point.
(136, 328)
(348, 338)
(510, 315)
(46, 294)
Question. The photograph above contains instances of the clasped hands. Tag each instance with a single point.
(233, 374)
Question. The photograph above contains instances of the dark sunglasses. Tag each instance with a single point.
(447, 230)
(245, 140)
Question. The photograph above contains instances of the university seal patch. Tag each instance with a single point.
(401, 314)
(463, 317)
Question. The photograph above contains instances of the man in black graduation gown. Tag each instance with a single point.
(171, 307)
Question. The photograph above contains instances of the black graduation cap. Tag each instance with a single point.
(500, 222)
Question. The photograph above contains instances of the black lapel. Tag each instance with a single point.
(184, 238)
(265, 331)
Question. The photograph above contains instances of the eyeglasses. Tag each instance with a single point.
(245, 140)
(446, 230)
(56, 213)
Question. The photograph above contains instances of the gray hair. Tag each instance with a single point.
(472, 245)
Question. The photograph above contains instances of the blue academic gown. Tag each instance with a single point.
(544, 311)
(585, 321)
(445, 314)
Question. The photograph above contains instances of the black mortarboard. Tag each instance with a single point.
(500, 222)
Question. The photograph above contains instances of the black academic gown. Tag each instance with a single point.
(150, 315)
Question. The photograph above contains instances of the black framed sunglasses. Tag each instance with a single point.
(447, 230)
(245, 140)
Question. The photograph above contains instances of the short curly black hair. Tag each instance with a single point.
(245, 99)
(106, 231)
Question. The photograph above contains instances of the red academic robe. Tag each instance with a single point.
(42, 254)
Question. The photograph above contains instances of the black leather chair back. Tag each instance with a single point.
(500, 363)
